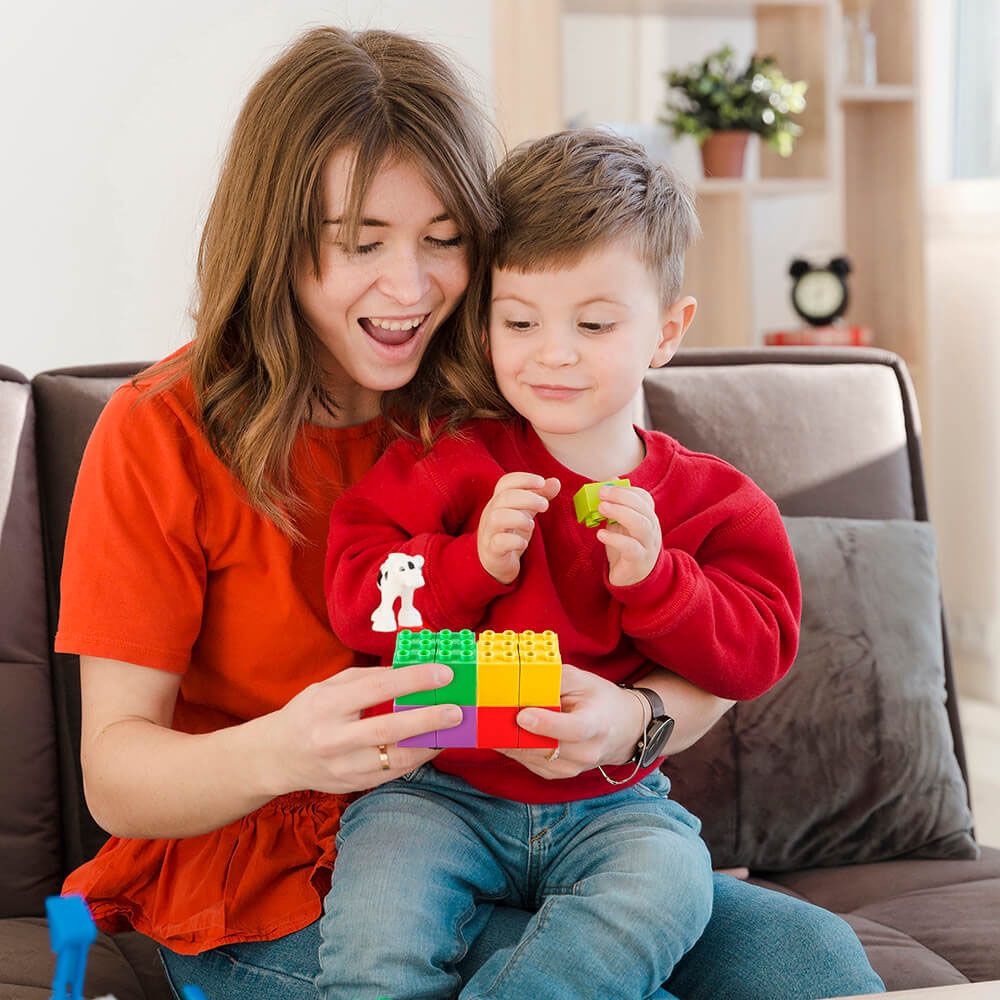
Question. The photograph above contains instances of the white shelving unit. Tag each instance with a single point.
(860, 147)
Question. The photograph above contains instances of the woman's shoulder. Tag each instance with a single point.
(149, 432)
(158, 401)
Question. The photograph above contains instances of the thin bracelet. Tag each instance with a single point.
(642, 740)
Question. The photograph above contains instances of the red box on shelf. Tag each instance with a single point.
(821, 336)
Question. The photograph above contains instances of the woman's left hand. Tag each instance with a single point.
(600, 723)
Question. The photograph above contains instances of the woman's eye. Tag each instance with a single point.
(358, 251)
(597, 327)
(455, 241)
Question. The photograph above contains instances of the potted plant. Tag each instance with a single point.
(721, 105)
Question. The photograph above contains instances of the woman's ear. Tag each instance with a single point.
(675, 320)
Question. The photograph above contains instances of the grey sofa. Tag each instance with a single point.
(828, 434)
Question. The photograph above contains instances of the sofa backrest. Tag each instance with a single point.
(829, 433)
(68, 402)
(31, 862)
(825, 432)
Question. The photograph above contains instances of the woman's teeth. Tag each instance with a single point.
(392, 332)
(397, 324)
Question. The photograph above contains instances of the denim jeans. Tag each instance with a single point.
(757, 944)
(620, 887)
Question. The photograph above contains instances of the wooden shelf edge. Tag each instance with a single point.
(765, 187)
(683, 8)
(881, 94)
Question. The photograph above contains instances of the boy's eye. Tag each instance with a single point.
(597, 327)
(454, 241)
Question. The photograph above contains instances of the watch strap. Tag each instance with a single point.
(655, 702)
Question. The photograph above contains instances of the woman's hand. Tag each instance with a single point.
(600, 723)
(320, 741)
(507, 521)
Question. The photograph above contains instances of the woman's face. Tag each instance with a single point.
(375, 306)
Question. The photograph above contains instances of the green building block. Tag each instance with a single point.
(586, 499)
(415, 647)
(458, 651)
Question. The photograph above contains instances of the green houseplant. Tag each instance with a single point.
(721, 105)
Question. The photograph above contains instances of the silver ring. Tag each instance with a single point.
(554, 755)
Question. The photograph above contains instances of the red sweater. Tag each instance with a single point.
(721, 606)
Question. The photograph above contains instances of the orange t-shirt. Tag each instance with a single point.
(166, 565)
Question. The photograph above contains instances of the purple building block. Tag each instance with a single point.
(422, 740)
(462, 735)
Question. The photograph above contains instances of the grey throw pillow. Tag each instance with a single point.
(848, 758)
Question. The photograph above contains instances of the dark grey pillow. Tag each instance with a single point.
(849, 757)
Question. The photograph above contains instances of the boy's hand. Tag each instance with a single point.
(508, 520)
(634, 543)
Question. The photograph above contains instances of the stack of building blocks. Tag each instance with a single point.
(586, 499)
(495, 677)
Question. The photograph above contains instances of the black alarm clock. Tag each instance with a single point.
(819, 294)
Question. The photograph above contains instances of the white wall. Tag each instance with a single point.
(116, 118)
(963, 308)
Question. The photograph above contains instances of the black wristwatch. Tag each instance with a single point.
(652, 742)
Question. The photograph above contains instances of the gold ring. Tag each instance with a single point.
(554, 755)
(383, 756)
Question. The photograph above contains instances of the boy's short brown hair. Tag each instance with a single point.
(573, 191)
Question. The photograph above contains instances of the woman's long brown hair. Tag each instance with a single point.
(254, 362)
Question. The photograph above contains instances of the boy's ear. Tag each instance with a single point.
(676, 319)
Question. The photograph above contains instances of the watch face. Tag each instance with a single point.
(819, 296)
(656, 739)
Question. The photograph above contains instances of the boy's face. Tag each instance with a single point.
(570, 346)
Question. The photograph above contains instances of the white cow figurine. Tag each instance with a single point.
(399, 576)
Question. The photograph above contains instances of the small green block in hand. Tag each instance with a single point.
(586, 500)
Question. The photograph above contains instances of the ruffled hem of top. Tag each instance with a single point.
(256, 879)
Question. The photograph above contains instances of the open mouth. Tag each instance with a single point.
(392, 331)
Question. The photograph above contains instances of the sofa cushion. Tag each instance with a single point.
(30, 847)
(849, 758)
(125, 966)
(820, 439)
(922, 923)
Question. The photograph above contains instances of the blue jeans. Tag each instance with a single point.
(620, 887)
(758, 944)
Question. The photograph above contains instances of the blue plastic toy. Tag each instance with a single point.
(71, 932)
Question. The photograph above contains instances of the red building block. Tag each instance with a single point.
(527, 740)
(497, 728)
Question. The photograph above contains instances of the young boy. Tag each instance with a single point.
(692, 573)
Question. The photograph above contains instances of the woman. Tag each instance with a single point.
(223, 725)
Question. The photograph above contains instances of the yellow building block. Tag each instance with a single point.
(540, 678)
(497, 666)
(539, 684)
(538, 647)
(497, 684)
(497, 647)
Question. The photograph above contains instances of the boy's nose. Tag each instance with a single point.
(557, 349)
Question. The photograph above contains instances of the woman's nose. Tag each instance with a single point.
(405, 278)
